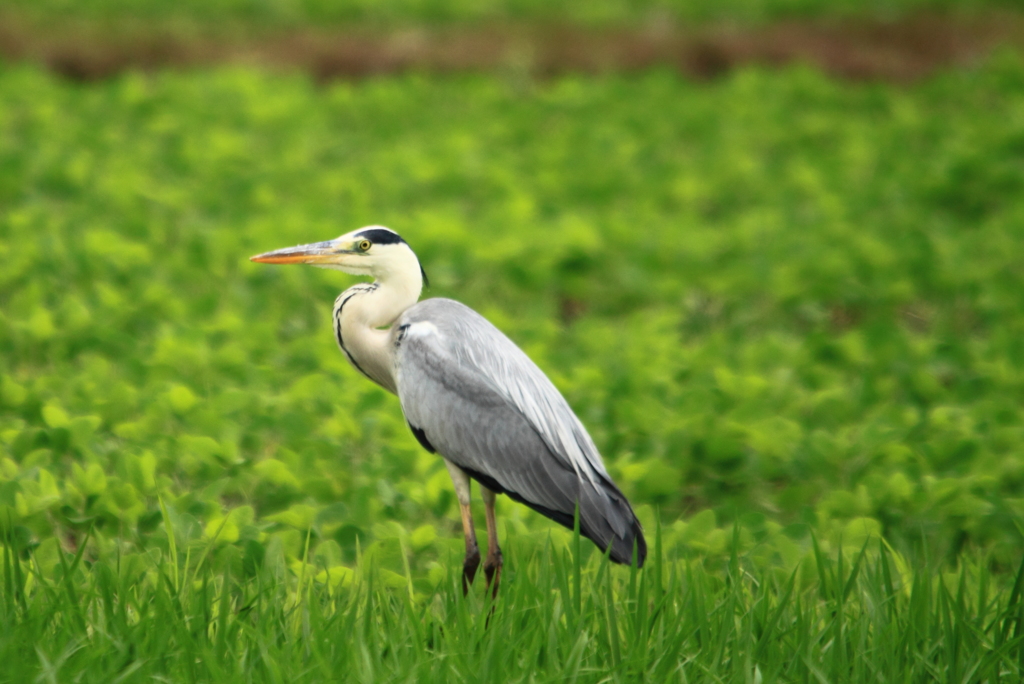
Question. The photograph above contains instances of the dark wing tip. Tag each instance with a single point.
(622, 547)
(641, 547)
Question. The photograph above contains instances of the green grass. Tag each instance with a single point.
(559, 617)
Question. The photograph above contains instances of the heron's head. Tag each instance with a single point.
(374, 251)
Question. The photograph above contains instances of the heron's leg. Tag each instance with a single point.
(492, 566)
(461, 481)
(472, 561)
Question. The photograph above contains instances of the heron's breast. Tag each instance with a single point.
(367, 349)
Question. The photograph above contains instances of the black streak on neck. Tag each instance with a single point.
(337, 329)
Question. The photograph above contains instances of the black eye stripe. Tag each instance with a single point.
(380, 236)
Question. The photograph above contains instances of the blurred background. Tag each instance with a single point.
(770, 250)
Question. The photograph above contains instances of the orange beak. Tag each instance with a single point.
(313, 253)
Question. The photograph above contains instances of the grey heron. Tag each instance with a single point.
(470, 395)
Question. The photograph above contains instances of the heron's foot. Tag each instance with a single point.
(492, 570)
(469, 567)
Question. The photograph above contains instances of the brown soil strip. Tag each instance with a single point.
(902, 50)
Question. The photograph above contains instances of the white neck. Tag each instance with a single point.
(361, 312)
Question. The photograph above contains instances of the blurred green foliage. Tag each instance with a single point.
(276, 14)
(780, 304)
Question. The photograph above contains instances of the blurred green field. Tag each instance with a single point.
(278, 14)
(780, 304)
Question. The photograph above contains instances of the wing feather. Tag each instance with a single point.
(483, 404)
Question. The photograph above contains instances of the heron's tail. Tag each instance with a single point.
(607, 519)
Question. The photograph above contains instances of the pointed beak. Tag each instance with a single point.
(313, 253)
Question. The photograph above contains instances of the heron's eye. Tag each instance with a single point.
(364, 245)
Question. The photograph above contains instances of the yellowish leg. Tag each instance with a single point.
(472, 561)
(492, 566)
(461, 481)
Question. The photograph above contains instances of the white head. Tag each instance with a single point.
(372, 251)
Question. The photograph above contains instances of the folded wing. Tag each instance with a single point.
(471, 394)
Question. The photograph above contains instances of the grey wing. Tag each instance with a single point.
(469, 393)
